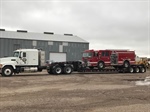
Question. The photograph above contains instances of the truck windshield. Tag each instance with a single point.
(16, 54)
(87, 54)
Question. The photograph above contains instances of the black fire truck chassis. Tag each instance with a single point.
(77, 66)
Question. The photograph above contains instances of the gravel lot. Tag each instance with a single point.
(40, 92)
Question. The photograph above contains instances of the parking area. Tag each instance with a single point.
(107, 92)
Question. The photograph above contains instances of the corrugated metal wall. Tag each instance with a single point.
(73, 50)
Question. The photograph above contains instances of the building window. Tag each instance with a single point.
(50, 43)
(34, 43)
(60, 48)
(65, 44)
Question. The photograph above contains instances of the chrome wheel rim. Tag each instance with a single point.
(7, 71)
(58, 70)
(68, 70)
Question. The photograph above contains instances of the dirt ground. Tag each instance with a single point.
(40, 92)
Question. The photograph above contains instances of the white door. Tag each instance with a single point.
(57, 57)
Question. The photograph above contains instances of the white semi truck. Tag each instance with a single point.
(23, 60)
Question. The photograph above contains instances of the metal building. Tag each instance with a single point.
(65, 47)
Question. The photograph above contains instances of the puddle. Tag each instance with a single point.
(145, 82)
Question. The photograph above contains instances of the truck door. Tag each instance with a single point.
(105, 56)
(95, 58)
(23, 58)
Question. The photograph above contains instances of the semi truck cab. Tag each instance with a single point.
(26, 57)
(22, 60)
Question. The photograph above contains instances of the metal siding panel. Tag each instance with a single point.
(2, 48)
(28, 44)
(74, 50)
(46, 46)
(55, 47)
(5, 47)
(9, 48)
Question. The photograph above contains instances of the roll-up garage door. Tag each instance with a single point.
(57, 57)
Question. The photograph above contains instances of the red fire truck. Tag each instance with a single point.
(105, 58)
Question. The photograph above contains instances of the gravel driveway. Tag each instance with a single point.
(39, 92)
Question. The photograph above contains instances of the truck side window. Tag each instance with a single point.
(24, 54)
(106, 53)
(103, 53)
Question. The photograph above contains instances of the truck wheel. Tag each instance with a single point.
(136, 70)
(142, 70)
(40, 69)
(7, 71)
(57, 70)
(67, 70)
(49, 72)
(126, 64)
(131, 70)
(101, 65)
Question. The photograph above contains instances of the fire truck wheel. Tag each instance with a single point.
(131, 70)
(136, 70)
(101, 65)
(57, 70)
(126, 64)
(7, 71)
(142, 70)
(67, 70)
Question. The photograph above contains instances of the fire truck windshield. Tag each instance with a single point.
(87, 54)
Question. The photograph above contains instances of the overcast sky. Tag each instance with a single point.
(105, 24)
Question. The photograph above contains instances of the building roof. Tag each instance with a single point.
(41, 36)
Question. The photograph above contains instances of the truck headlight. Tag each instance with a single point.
(1, 65)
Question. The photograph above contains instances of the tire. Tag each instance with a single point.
(49, 72)
(136, 69)
(142, 70)
(40, 69)
(67, 70)
(7, 71)
(57, 70)
(126, 64)
(131, 70)
(101, 65)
